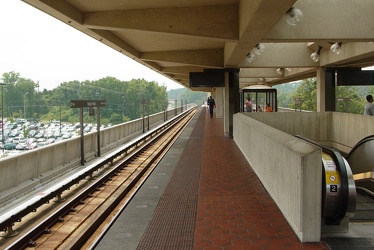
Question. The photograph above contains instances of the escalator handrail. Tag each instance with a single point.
(358, 144)
(338, 159)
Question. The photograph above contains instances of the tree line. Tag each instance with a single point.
(349, 99)
(125, 100)
(129, 100)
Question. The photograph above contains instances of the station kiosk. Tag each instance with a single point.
(260, 95)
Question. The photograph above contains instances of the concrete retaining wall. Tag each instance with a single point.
(19, 173)
(339, 130)
(289, 168)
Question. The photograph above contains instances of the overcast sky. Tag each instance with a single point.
(43, 49)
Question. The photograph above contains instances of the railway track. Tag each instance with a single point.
(91, 206)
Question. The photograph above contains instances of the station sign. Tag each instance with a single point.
(90, 104)
(87, 103)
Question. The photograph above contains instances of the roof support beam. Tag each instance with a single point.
(331, 25)
(111, 40)
(192, 21)
(210, 58)
(183, 70)
(256, 18)
(282, 55)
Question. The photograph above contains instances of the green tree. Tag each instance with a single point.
(285, 94)
(307, 92)
(115, 118)
(124, 98)
(348, 100)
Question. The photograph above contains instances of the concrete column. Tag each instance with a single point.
(233, 98)
(219, 98)
(330, 95)
(226, 107)
(326, 89)
(321, 90)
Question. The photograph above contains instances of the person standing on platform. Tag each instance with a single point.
(248, 104)
(268, 108)
(211, 105)
(369, 107)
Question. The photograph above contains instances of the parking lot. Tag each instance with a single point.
(22, 135)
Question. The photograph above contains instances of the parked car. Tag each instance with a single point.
(32, 133)
(14, 133)
(18, 139)
(50, 140)
(8, 140)
(42, 144)
(31, 146)
(40, 134)
(21, 146)
(10, 146)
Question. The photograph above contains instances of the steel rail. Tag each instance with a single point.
(148, 138)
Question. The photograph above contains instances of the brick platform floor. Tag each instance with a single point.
(214, 201)
(234, 210)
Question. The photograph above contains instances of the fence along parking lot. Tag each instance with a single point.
(36, 134)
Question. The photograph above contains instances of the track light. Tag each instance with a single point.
(315, 55)
(259, 49)
(250, 57)
(336, 48)
(294, 16)
(279, 71)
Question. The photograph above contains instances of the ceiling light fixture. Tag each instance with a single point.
(279, 71)
(259, 49)
(336, 48)
(294, 16)
(315, 55)
(250, 57)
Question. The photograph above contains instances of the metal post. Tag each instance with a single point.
(148, 113)
(38, 103)
(98, 131)
(123, 107)
(123, 111)
(2, 114)
(60, 119)
(175, 107)
(24, 105)
(143, 115)
(82, 136)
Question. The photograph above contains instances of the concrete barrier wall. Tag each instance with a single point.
(289, 168)
(335, 129)
(19, 173)
(313, 125)
(348, 129)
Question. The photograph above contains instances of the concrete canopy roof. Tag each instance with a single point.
(175, 37)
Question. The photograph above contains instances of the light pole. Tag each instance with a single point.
(123, 107)
(2, 114)
(24, 105)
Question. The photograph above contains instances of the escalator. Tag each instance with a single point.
(338, 186)
(348, 182)
(361, 159)
(348, 191)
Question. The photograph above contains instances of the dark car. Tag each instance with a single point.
(10, 146)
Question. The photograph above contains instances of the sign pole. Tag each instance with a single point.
(98, 131)
(91, 104)
(82, 136)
